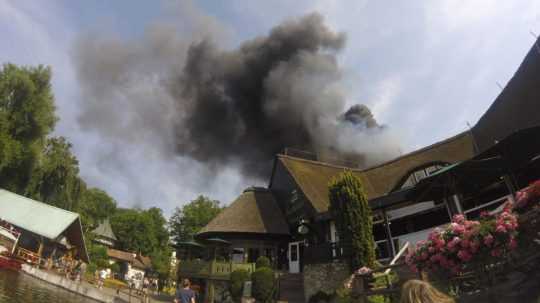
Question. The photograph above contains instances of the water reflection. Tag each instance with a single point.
(18, 287)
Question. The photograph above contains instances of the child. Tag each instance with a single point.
(416, 291)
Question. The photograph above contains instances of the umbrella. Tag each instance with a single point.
(190, 243)
(218, 241)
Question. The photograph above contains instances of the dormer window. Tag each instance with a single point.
(419, 174)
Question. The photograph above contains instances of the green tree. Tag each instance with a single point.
(56, 180)
(94, 207)
(26, 118)
(349, 206)
(145, 232)
(188, 220)
(263, 284)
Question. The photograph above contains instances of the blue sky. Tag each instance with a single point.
(425, 68)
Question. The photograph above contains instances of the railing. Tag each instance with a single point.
(211, 269)
(28, 256)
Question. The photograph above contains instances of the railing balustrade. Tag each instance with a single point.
(218, 269)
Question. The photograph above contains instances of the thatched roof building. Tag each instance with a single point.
(254, 212)
(313, 177)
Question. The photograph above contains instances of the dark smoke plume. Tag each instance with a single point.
(227, 107)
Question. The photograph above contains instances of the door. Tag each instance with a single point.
(294, 257)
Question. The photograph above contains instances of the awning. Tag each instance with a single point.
(189, 244)
(218, 241)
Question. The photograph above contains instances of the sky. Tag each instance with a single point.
(425, 68)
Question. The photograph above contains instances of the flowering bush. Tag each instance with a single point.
(528, 197)
(465, 241)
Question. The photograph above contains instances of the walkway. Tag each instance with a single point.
(107, 295)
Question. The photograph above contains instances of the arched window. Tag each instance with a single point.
(420, 172)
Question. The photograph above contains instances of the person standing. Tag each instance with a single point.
(185, 294)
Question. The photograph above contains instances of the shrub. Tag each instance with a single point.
(238, 277)
(263, 261)
(320, 296)
(350, 208)
(465, 242)
(263, 284)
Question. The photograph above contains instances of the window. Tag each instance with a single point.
(420, 174)
(253, 255)
(238, 255)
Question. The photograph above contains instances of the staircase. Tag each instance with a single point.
(291, 288)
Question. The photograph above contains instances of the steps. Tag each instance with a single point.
(291, 288)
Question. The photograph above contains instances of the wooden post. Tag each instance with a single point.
(388, 234)
(359, 289)
(40, 250)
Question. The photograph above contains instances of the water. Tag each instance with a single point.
(18, 287)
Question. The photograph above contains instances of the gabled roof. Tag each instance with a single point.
(254, 211)
(104, 230)
(313, 177)
(517, 106)
(42, 219)
(136, 260)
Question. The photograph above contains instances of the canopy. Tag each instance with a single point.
(189, 243)
(218, 241)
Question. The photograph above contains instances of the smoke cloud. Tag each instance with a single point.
(173, 95)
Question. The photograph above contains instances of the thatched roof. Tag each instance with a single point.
(313, 177)
(254, 211)
(517, 106)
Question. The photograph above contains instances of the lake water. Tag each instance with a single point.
(18, 287)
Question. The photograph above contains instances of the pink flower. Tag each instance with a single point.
(459, 218)
(464, 255)
(497, 252)
(488, 240)
(512, 244)
(500, 229)
(465, 243)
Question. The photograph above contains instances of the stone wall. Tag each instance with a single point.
(326, 277)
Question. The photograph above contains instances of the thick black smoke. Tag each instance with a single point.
(227, 107)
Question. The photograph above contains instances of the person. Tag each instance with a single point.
(102, 277)
(417, 291)
(185, 294)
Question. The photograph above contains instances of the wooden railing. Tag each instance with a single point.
(27, 256)
(211, 269)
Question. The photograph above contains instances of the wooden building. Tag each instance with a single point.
(471, 172)
(46, 232)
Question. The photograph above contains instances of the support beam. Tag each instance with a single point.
(388, 234)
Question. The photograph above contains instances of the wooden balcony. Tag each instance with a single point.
(217, 270)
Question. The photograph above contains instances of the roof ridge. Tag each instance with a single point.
(320, 163)
(414, 152)
(36, 201)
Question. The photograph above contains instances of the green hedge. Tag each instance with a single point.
(263, 284)
(263, 261)
(238, 277)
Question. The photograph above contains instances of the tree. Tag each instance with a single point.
(26, 118)
(56, 179)
(188, 220)
(350, 208)
(94, 207)
(145, 232)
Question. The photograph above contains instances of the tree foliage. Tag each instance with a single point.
(94, 207)
(188, 220)
(145, 232)
(350, 208)
(26, 118)
(56, 179)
